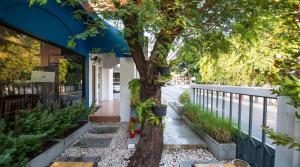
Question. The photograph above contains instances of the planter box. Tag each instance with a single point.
(222, 151)
(74, 136)
(45, 158)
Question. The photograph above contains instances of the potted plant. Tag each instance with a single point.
(163, 79)
(164, 70)
(219, 134)
(240, 163)
(143, 108)
(163, 65)
(135, 87)
(132, 128)
(132, 133)
(160, 110)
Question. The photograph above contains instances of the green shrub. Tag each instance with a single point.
(15, 149)
(42, 121)
(219, 129)
(24, 138)
(184, 97)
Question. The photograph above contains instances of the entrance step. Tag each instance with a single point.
(73, 164)
(96, 118)
(103, 130)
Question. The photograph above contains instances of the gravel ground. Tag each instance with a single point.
(116, 153)
(173, 157)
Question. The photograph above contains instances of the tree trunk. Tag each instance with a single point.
(149, 149)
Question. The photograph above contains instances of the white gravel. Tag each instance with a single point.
(116, 153)
(173, 157)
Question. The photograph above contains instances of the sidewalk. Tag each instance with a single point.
(178, 134)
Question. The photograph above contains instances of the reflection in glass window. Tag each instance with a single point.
(33, 71)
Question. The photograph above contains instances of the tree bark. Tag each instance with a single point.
(149, 149)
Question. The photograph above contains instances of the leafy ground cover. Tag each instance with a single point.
(29, 134)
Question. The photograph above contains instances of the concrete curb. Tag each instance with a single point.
(176, 107)
(222, 151)
(46, 157)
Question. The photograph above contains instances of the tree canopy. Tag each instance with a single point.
(208, 25)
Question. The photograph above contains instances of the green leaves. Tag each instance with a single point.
(144, 108)
(24, 138)
(184, 98)
(135, 89)
(153, 119)
(282, 139)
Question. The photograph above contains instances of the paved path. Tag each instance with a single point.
(178, 134)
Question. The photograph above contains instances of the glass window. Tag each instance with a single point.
(34, 71)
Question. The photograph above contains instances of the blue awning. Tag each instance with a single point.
(55, 24)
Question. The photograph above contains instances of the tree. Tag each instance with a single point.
(18, 56)
(206, 21)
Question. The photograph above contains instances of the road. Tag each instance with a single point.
(171, 94)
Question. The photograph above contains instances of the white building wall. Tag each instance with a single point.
(90, 82)
(107, 84)
(103, 77)
(96, 65)
(127, 73)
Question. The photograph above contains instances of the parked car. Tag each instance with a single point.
(116, 87)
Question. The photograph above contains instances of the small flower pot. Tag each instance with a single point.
(137, 131)
(164, 71)
(160, 111)
(132, 135)
(240, 163)
(138, 128)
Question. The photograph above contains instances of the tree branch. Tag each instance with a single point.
(132, 37)
(205, 6)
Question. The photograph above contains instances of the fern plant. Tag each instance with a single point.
(143, 108)
(135, 89)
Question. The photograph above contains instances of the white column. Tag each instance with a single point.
(127, 73)
(107, 84)
(96, 83)
(90, 64)
(287, 124)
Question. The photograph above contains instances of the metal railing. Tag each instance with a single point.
(246, 108)
(20, 96)
(33, 88)
(11, 105)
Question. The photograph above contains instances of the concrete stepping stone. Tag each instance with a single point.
(103, 130)
(93, 142)
(73, 164)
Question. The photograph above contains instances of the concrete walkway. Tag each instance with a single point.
(178, 134)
